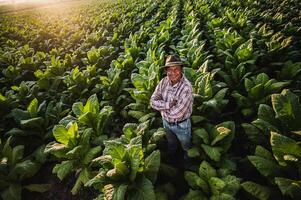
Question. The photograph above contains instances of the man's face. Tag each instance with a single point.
(174, 73)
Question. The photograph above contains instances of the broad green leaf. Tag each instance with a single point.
(264, 166)
(143, 128)
(289, 187)
(266, 113)
(222, 196)
(78, 108)
(116, 82)
(193, 152)
(151, 166)
(88, 118)
(157, 136)
(39, 155)
(115, 149)
(2, 98)
(12, 193)
(261, 78)
(38, 187)
(102, 161)
(262, 152)
(92, 105)
(223, 132)
(121, 169)
(147, 117)
(19, 115)
(287, 109)
(161, 195)
(282, 106)
(256, 190)
(25, 169)
(266, 120)
(119, 192)
(256, 92)
(191, 178)
(97, 180)
(61, 134)
(248, 84)
(244, 51)
(65, 136)
(232, 185)
(275, 87)
(129, 130)
(290, 70)
(254, 135)
(33, 108)
(16, 155)
(143, 189)
(226, 142)
(7, 149)
(196, 182)
(136, 114)
(136, 141)
(54, 146)
(150, 148)
(241, 100)
(201, 183)
(268, 84)
(63, 169)
(190, 73)
(220, 95)
(135, 154)
(214, 153)
(103, 118)
(86, 136)
(196, 119)
(206, 171)
(81, 180)
(202, 133)
(75, 152)
(139, 81)
(216, 185)
(93, 55)
(33, 123)
(282, 145)
(195, 195)
(204, 86)
(228, 166)
(92, 153)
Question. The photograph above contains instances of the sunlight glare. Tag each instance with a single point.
(26, 1)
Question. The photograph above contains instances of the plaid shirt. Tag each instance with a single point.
(165, 93)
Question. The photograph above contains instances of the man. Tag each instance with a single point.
(173, 98)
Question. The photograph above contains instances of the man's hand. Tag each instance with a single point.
(159, 97)
(173, 103)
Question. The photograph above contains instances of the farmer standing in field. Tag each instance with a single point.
(173, 98)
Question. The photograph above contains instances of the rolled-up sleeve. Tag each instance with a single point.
(157, 101)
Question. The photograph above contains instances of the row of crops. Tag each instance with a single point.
(76, 85)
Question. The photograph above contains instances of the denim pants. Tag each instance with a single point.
(180, 131)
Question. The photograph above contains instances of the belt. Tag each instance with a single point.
(175, 123)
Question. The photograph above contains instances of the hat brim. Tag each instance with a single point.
(178, 65)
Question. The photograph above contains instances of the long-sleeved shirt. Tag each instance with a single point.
(165, 93)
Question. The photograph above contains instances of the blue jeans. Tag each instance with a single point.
(180, 131)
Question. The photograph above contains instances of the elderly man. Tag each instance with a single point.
(173, 98)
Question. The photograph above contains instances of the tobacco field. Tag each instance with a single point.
(75, 85)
